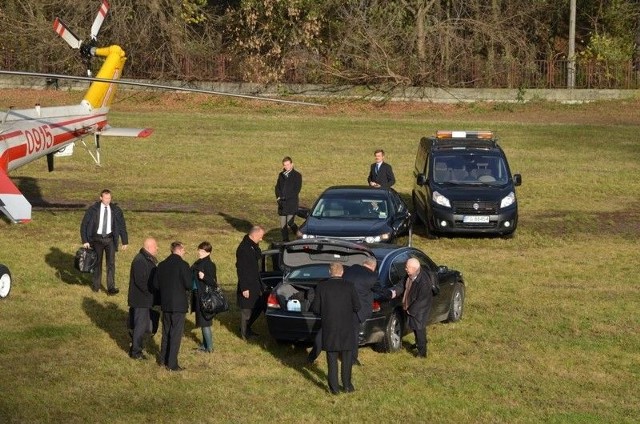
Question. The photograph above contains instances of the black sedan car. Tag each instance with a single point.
(297, 267)
(361, 214)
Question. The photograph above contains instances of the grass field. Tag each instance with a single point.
(551, 328)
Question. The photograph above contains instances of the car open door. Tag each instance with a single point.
(270, 271)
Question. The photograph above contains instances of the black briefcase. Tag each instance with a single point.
(85, 260)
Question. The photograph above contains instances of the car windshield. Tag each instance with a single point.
(352, 206)
(469, 168)
(309, 272)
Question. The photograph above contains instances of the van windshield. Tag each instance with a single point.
(469, 168)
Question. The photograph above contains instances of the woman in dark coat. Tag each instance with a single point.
(204, 274)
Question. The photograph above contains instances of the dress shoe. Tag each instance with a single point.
(203, 349)
(95, 290)
(334, 392)
(139, 356)
(113, 291)
(350, 389)
(176, 369)
(413, 346)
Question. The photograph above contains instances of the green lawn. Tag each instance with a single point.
(551, 327)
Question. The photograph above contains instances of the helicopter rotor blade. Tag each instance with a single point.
(160, 86)
(97, 23)
(67, 35)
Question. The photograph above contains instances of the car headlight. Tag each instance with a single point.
(508, 201)
(308, 236)
(440, 199)
(377, 239)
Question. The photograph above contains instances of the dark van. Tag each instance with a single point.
(463, 185)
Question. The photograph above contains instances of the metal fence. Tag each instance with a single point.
(473, 73)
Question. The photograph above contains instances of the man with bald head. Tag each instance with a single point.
(336, 301)
(141, 294)
(250, 288)
(417, 297)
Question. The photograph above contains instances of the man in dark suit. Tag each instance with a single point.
(172, 280)
(250, 290)
(141, 294)
(288, 188)
(364, 279)
(102, 227)
(336, 301)
(381, 173)
(417, 297)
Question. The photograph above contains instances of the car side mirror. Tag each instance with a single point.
(517, 179)
(303, 212)
(421, 179)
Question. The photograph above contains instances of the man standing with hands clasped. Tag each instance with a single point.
(102, 227)
(336, 301)
(288, 188)
(381, 173)
(173, 280)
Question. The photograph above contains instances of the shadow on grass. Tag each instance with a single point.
(62, 262)
(291, 355)
(29, 187)
(239, 224)
(113, 321)
(271, 235)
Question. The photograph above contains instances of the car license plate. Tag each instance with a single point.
(476, 218)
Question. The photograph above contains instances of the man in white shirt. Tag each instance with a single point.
(103, 226)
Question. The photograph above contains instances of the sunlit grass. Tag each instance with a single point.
(551, 325)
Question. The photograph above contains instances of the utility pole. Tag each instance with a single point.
(571, 64)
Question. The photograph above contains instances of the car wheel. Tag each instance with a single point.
(5, 281)
(392, 340)
(457, 303)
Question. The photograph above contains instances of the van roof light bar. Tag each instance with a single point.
(478, 135)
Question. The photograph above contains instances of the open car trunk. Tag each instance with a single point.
(306, 262)
(305, 252)
(295, 297)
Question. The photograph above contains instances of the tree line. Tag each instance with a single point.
(384, 43)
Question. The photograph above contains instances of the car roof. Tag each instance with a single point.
(363, 189)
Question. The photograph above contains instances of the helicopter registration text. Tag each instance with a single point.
(38, 139)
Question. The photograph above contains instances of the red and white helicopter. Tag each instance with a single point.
(29, 134)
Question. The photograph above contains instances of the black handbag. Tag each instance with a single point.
(85, 260)
(212, 301)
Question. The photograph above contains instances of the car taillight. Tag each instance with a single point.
(376, 306)
(272, 302)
